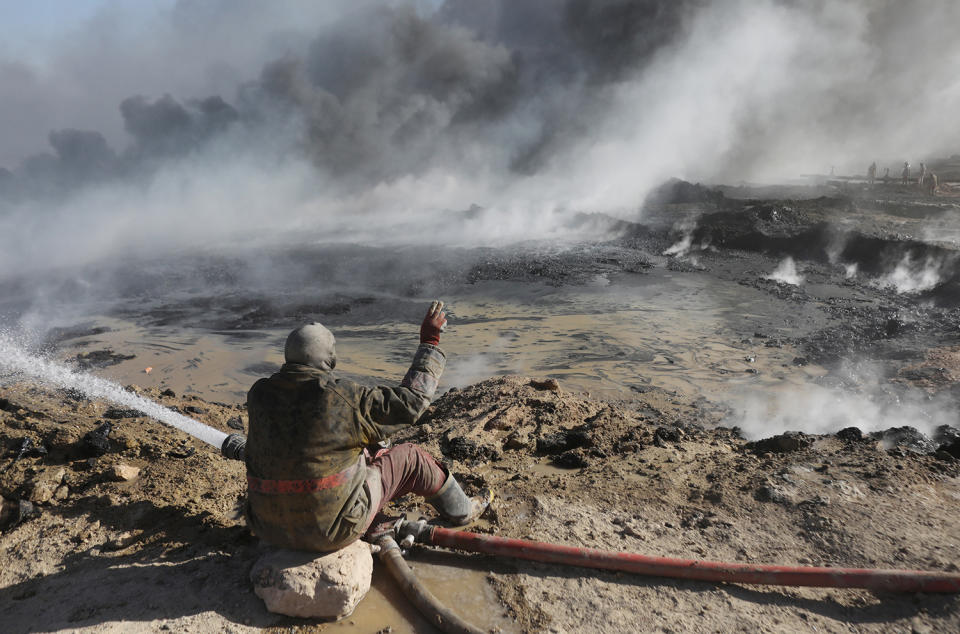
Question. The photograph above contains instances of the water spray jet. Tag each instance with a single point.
(17, 361)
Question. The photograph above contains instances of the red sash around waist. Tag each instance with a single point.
(258, 485)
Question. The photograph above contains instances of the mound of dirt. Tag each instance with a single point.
(164, 548)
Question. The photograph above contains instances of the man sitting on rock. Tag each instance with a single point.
(311, 484)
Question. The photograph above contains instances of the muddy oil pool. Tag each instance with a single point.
(612, 337)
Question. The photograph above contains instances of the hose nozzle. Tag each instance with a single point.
(234, 447)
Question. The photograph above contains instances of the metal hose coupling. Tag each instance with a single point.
(234, 447)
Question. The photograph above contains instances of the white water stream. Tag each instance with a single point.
(17, 361)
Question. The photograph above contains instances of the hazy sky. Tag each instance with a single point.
(30, 27)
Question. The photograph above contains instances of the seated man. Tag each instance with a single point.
(310, 483)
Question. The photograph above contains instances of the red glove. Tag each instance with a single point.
(433, 324)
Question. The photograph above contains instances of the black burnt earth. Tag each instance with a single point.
(782, 443)
(116, 413)
(564, 440)
(908, 438)
(945, 434)
(96, 359)
(95, 443)
(460, 448)
(667, 434)
(576, 459)
(850, 434)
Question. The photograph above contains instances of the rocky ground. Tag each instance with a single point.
(139, 531)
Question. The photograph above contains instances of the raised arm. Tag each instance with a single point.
(386, 410)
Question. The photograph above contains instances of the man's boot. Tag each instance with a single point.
(457, 507)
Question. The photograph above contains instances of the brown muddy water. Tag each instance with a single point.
(611, 338)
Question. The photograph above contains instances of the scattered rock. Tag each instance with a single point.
(168, 393)
(182, 452)
(894, 326)
(117, 413)
(564, 440)
(516, 440)
(123, 473)
(850, 434)
(664, 435)
(43, 487)
(461, 448)
(947, 456)
(310, 586)
(7, 508)
(925, 374)
(950, 449)
(772, 493)
(945, 434)
(782, 443)
(193, 409)
(546, 384)
(95, 443)
(694, 519)
(907, 438)
(121, 541)
(235, 423)
(14, 512)
(800, 361)
(28, 448)
(575, 459)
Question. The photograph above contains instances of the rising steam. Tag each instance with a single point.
(786, 272)
(871, 405)
(910, 276)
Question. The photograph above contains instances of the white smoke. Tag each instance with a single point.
(910, 276)
(815, 409)
(683, 245)
(786, 272)
(381, 120)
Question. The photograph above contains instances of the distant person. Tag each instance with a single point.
(923, 174)
(312, 484)
(872, 173)
(905, 174)
(886, 175)
(930, 184)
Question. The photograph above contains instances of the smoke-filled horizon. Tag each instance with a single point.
(371, 121)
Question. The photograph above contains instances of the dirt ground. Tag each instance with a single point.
(167, 550)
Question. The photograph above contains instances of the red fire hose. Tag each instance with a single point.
(889, 580)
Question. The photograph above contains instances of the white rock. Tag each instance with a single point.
(123, 473)
(309, 585)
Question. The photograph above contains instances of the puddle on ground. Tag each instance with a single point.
(463, 590)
